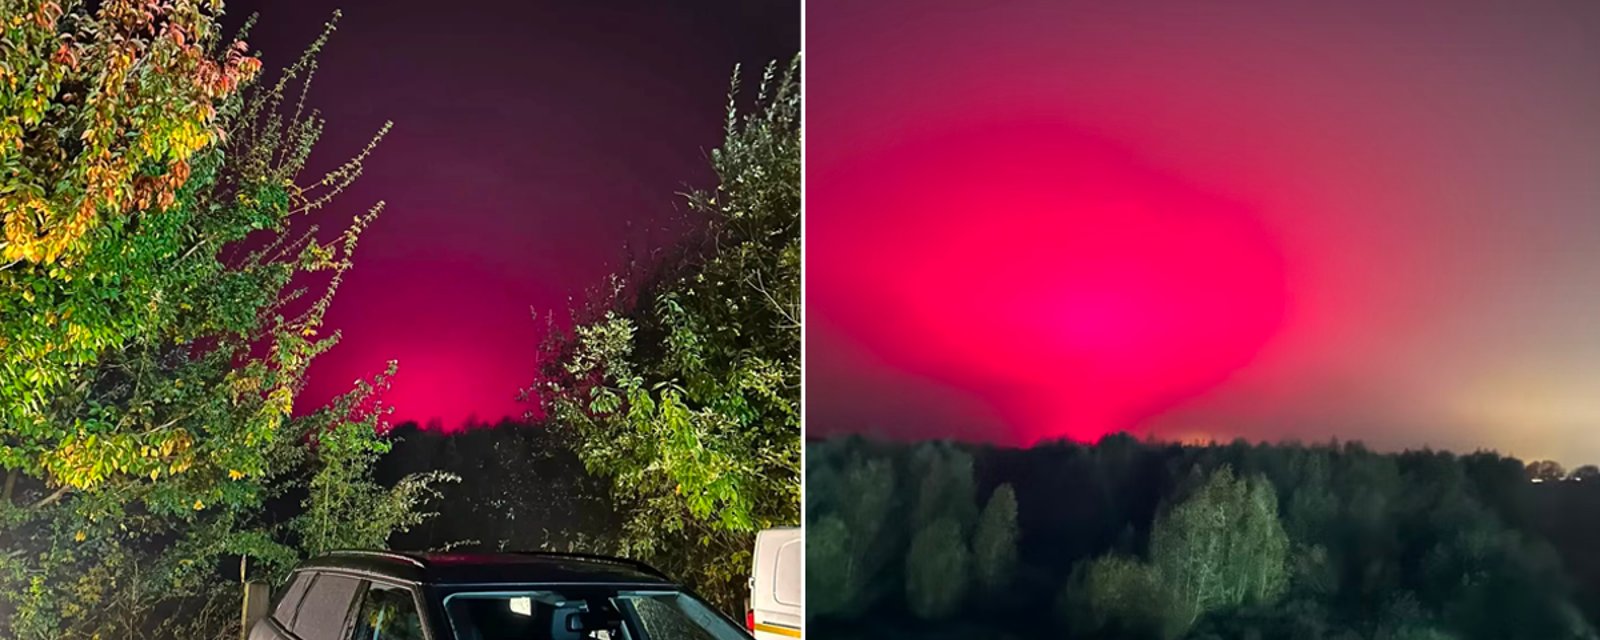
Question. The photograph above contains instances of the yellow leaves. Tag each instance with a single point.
(76, 463)
(281, 400)
(180, 442)
(235, 474)
(151, 99)
(80, 536)
(198, 505)
(87, 461)
(243, 384)
(77, 334)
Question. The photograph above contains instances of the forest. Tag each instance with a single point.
(1141, 539)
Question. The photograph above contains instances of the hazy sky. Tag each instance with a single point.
(533, 140)
(1371, 219)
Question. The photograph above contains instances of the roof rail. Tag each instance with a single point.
(391, 555)
(596, 558)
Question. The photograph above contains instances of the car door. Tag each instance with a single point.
(277, 625)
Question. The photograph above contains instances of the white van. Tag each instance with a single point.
(777, 582)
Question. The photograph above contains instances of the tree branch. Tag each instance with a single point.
(47, 500)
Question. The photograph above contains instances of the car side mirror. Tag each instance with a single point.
(257, 596)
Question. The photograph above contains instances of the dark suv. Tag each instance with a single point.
(366, 595)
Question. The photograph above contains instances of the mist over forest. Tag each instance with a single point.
(1137, 539)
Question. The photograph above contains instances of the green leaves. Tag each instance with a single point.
(937, 568)
(148, 370)
(1220, 547)
(343, 507)
(682, 385)
(994, 542)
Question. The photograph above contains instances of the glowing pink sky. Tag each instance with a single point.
(533, 142)
(1367, 220)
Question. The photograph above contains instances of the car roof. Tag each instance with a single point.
(492, 568)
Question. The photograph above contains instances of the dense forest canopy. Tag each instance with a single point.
(1131, 539)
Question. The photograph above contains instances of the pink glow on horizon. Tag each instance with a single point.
(1077, 289)
(1379, 222)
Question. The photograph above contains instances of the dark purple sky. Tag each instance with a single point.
(533, 142)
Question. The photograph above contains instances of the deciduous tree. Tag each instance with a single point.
(938, 569)
(159, 306)
(994, 542)
(682, 383)
(1222, 546)
(1546, 471)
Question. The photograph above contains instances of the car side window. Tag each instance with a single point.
(326, 607)
(387, 613)
(289, 600)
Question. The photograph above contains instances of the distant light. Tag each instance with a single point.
(523, 606)
(1538, 480)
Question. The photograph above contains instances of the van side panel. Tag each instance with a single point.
(777, 584)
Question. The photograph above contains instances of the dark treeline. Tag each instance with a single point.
(1131, 539)
(522, 488)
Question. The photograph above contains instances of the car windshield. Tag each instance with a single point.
(585, 614)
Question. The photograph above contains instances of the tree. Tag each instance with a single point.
(1413, 544)
(149, 355)
(100, 116)
(832, 579)
(994, 542)
(344, 507)
(1585, 473)
(682, 382)
(1546, 471)
(937, 568)
(942, 474)
(1222, 546)
(1119, 594)
(852, 539)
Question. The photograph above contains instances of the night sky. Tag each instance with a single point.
(1367, 220)
(534, 143)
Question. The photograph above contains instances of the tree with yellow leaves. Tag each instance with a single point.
(101, 114)
(149, 357)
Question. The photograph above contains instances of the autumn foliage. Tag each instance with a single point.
(161, 297)
(100, 117)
